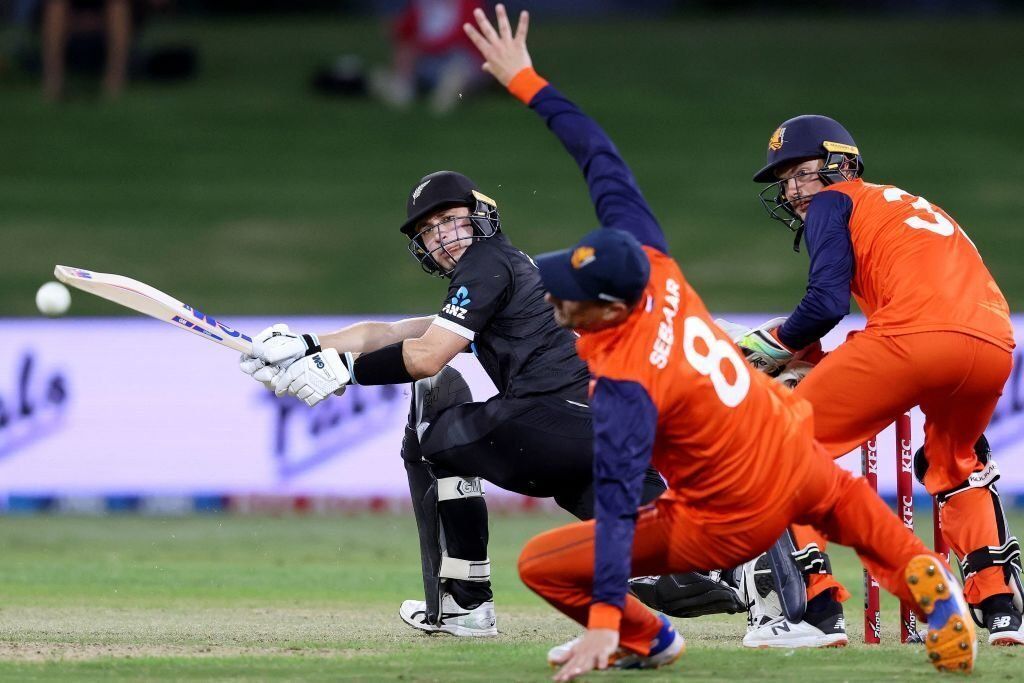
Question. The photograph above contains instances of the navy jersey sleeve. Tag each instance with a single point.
(827, 301)
(613, 189)
(480, 287)
(624, 424)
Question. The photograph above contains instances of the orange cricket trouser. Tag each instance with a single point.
(671, 537)
(956, 379)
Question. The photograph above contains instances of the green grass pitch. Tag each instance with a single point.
(243, 193)
(316, 598)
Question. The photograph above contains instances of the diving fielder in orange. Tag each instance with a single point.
(670, 388)
(938, 336)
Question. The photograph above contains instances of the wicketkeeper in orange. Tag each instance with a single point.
(938, 336)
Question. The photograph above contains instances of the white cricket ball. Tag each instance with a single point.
(53, 299)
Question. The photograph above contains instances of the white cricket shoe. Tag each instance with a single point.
(780, 632)
(667, 647)
(1005, 628)
(477, 622)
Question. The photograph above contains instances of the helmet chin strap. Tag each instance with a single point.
(796, 239)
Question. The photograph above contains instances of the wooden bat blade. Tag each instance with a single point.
(150, 301)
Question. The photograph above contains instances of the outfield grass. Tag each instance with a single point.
(244, 193)
(244, 598)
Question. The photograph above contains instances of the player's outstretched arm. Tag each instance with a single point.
(830, 276)
(277, 345)
(382, 353)
(613, 189)
(504, 50)
(624, 424)
(369, 335)
(625, 420)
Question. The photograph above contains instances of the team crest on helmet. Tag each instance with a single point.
(777, 140)
(582, 256)
(419, 190)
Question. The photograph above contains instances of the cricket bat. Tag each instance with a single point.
(140, 297)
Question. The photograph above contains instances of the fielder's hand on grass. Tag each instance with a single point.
(505, 53)
(313, 378)
(277, 345)
(592, 652)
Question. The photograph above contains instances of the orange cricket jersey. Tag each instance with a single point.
(917, 270)
(729, 440)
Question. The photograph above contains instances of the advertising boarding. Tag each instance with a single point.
(133, 406)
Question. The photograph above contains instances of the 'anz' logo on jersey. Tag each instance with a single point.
(456, 306)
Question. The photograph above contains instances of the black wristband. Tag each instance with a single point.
(312, 344)
(383, 366)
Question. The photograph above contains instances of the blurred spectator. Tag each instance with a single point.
(64, 19)
(96, 37)
(432, 56)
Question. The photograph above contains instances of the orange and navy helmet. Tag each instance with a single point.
(807, 137)
(810, 136)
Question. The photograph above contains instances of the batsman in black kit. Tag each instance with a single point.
(534, 437)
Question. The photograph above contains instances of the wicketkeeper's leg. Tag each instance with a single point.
(847, 511)
(975, 526)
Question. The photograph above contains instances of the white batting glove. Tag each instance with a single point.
(277, 345)
(313, 378)
(250, 364)
(763, 350)
(258, 370)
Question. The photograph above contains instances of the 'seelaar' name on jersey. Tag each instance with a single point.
(666, 330)
(455, 311)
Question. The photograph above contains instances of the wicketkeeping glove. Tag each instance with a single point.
(734, 330)
(313, 378)
(763, 350)
(794, 373)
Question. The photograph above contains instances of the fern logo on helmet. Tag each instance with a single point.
(582, 256)
(419, 190)
(778, 139)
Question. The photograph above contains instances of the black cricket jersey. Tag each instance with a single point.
(496, 301)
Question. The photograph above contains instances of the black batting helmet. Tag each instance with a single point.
(438, 191)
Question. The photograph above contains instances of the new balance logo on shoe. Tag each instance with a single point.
(782, 626)
(1001, 622)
